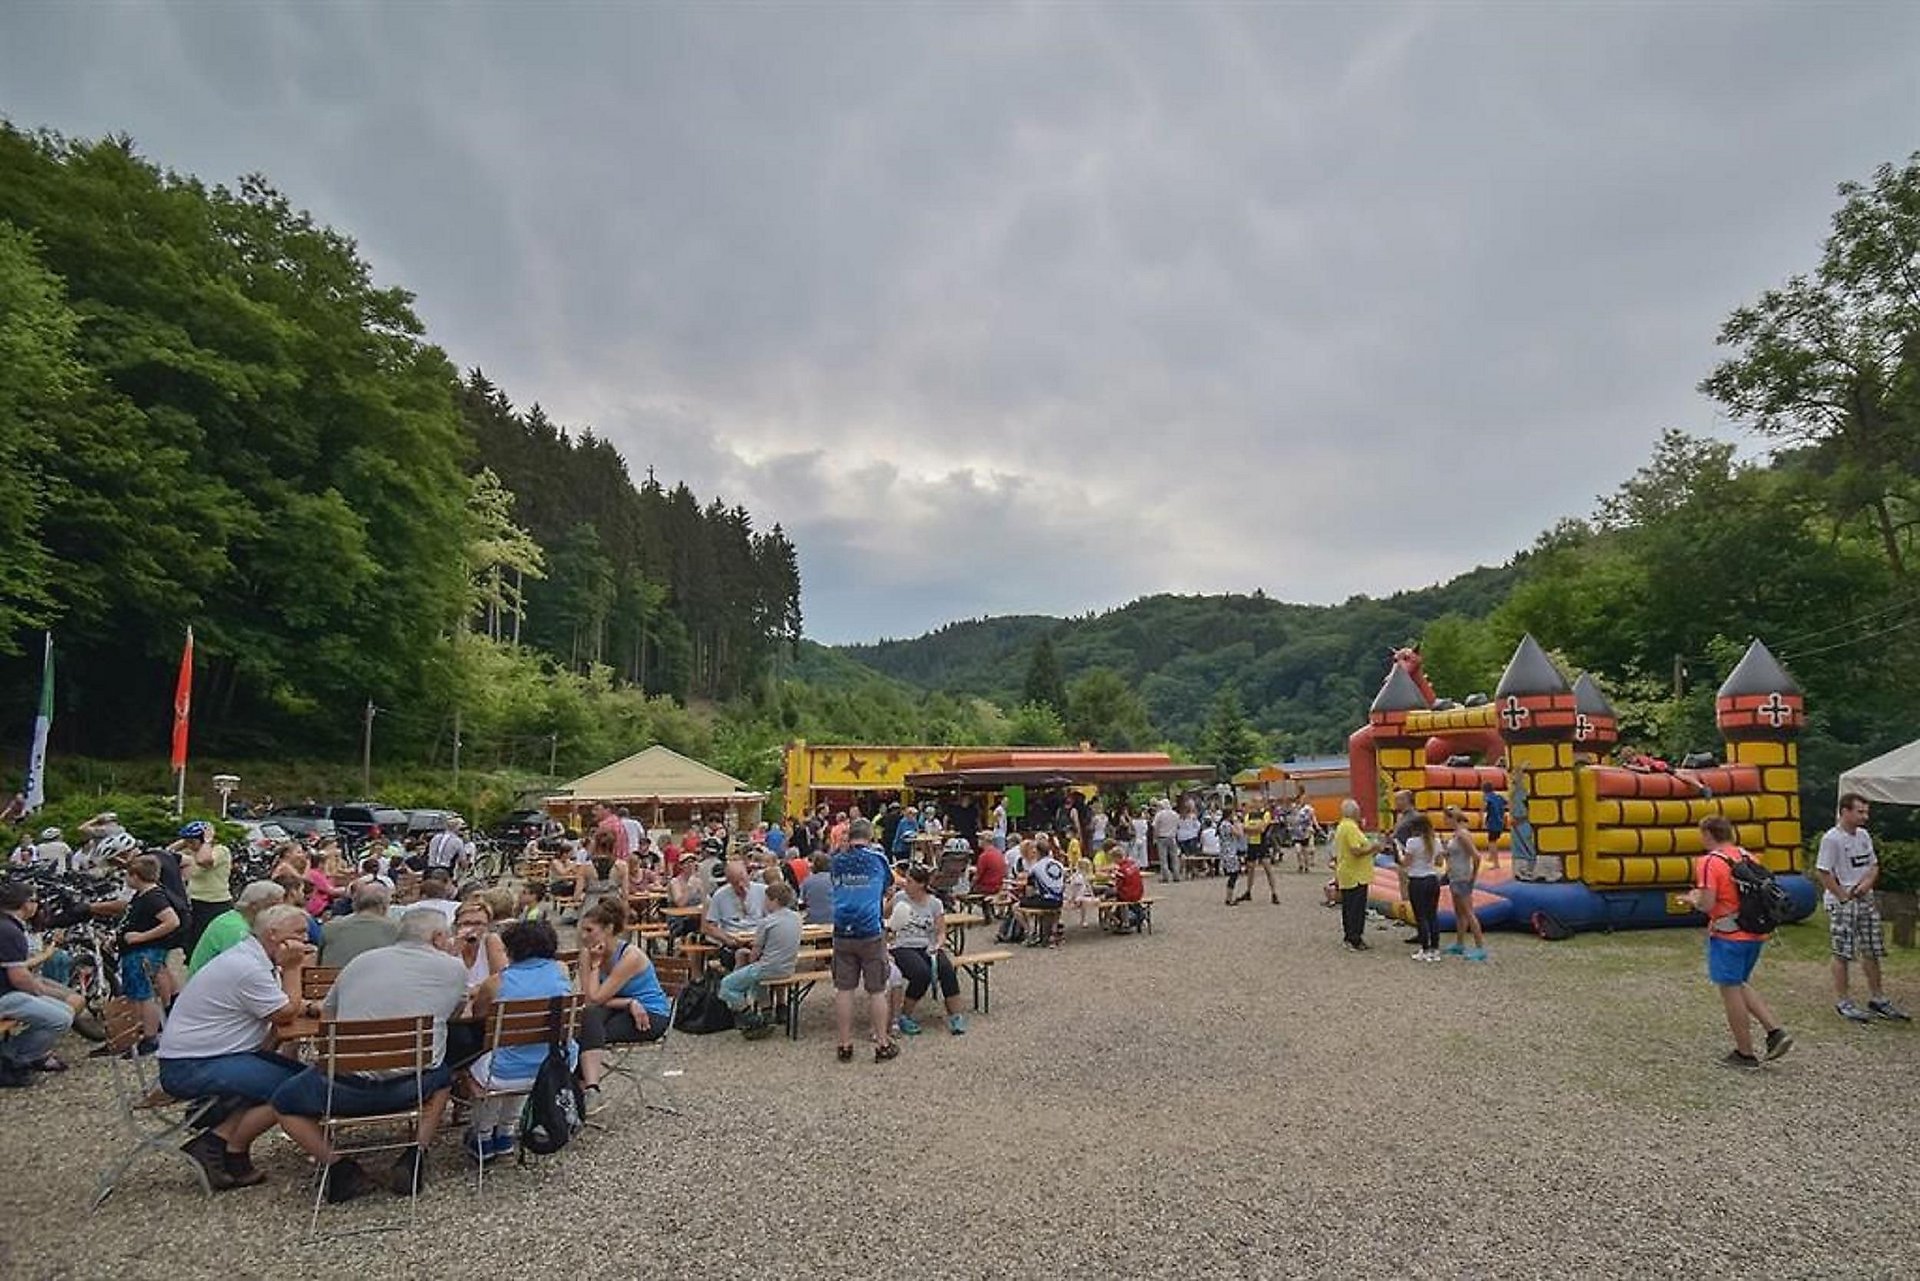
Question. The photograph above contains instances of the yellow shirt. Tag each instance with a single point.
(1352, 855)
(1105, 859)
(209, 884)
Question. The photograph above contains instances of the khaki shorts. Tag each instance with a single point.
(860, 962)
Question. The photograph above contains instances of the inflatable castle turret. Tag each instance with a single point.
(1760, 710)
(1594, 844)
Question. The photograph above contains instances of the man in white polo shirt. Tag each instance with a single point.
(215, 1039)
(1848, 869)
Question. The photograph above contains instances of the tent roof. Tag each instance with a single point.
(658, 773)
(1893, 778)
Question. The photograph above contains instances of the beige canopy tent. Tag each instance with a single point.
(1893, 779)
(661, 788)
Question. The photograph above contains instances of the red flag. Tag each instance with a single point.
(183, 704)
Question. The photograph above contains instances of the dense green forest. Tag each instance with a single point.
(212, 416)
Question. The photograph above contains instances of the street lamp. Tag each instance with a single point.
(226, 785)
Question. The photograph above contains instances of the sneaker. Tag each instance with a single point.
(1477, 954)
(957, 1024)
(1848, 1010)
(909, 1027)
(1744, 1062)
(891, 1050)
(1779, 1041)
(1362, 946)
(209, 1151)
(476, 1147)
(345, 1180)
(759, 1031)
(1455, 949)
(844, 1053)
(501, 1144)
(1421, 955)
(408, 1173)
(1888, 1010)
(1350, 945)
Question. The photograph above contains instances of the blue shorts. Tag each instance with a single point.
(138, 965)
(1730, 962)
(305, 1094)
(252, 1076)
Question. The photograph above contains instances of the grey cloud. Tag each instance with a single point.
(1039, 307)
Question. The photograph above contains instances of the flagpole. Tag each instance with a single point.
(182, 712)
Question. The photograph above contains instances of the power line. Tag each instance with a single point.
(1902, 625)
(1857, 620)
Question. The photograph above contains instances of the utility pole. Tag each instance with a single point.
(366, 751)
(456, 749)
(553, 753)
(1679, 677)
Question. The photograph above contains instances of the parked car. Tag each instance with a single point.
(264, 834)
(522, 826)
(428, 822)
(304, 822)
(357, 819)
(352, 822)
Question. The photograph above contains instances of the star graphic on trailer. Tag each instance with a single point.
(855, 766)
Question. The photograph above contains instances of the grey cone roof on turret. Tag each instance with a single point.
(1588, 698)
(1758, 672)
(1530, 671)
(1398, 693)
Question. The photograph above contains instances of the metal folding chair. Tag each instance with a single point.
(154, 1120)
(674, 973)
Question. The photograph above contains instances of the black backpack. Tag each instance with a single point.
(700, 1010)
(556, 1107)
(1764, 906)
(1551, 928)
(1012, 929)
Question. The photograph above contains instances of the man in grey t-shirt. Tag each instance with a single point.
(1848, 869)
(412, 978)
(776, 949)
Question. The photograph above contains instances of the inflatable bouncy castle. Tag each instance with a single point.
(1591, 843)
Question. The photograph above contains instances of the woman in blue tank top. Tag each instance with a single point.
(625, 1001)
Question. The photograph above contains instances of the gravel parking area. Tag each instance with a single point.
(1232, 1095)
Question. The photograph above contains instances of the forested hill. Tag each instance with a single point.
(1301, 671)
(212, 416)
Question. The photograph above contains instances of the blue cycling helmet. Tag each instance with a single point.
(196, 830)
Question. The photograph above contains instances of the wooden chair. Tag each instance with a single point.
(317, 980)
(347, 1046)
(154, 1120)
(524, 1022)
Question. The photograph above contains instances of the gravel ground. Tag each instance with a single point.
(1233, 1095)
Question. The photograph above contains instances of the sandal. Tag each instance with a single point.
(881, 1053)
(845, 1053)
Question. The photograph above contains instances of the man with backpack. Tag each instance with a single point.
(1742, 907)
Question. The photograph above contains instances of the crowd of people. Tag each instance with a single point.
(217, 976)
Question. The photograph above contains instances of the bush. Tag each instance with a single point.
(1900, 867)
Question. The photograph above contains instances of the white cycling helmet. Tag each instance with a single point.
(957, 845)
(50, 834)
(116, 845)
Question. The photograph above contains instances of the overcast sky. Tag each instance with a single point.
(1042, 307)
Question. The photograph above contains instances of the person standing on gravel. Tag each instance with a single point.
(1166, 843)
(1848, 869)
(1353, 852)
(861, 876)
(1731, 951)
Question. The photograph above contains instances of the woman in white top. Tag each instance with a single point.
(1419, 857)
(919, 928)
(479, 948)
